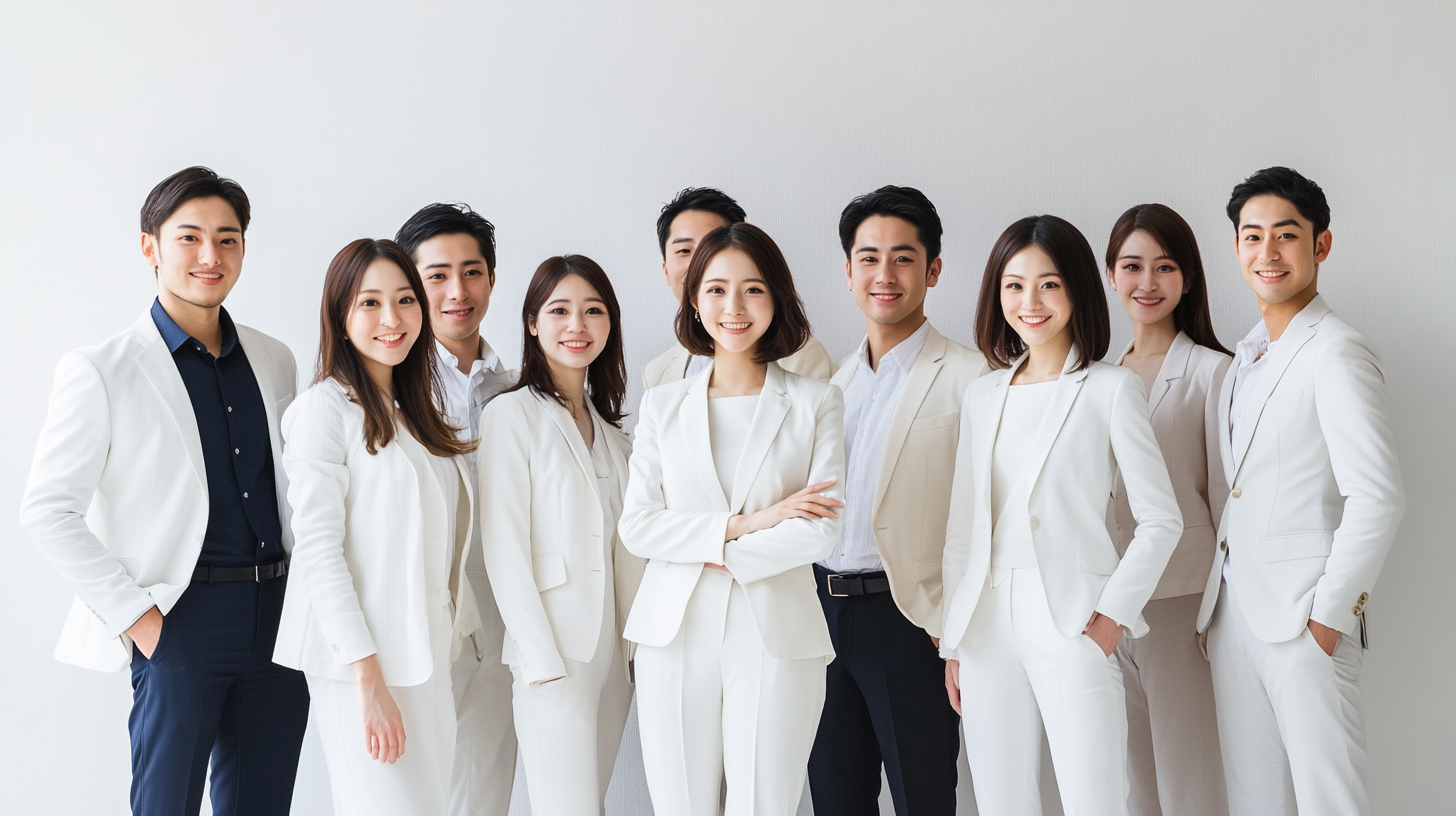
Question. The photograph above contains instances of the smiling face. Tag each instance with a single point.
(1278, 250)
(1147, 281)
(683, 236)
(887, 271)
(1033, 298)
(733, 302)
(197, 253)
(458, 284)
(573, 327)
(384, 320)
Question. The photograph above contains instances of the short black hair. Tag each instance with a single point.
(703, 199)
(1305, 195)
(448, 219)
(904, 203)
(189, 184)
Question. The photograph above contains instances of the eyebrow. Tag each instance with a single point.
(1139, 257)
(745, 280)
(896, 248)
(568, 300)
(381, 291)
(686, 239)
(446, 264)
(1288, 222)
(199, 229)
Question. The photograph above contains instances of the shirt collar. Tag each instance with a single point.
(902, 356)
(1254, 345)
(487, 360)
(174, 336)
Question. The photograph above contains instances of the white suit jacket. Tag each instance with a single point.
(676, 514)
(912, 491)
(1183, 407)
(811, 361)
(1095, 425)
(117, 497)
(1317, 494)
(542, 533)
(358, 584)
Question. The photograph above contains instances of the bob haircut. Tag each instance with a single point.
(1075, 262)
(789, 329)
(1168, 229)
(186, 185)
(416, 388)
(606, 377)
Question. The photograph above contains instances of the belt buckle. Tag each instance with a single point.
(829, 585)
(257, 577)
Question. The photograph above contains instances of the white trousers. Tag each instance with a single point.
(485, 745)
(1018, 674)
(713, 704)
(1173, 762)
(1289, 720)
(419, 782)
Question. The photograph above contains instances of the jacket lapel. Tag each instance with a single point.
(1174, 367)
(921, 377)
(1069, 385)
(773, 406)
(1225, 431)
(161, 371)
(985, 426)
(1282, 353)
(694, 415)
(574, 440)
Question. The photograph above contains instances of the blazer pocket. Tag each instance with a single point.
(930, 423)
(549, 571)
(1291, 547)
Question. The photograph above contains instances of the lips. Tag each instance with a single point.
(458, 314)
(1035, 320)
(1272, 275)
(576, 345)
(734, 328)
(207, 277)
(390, 340)
(886, 297)
(1142, 301)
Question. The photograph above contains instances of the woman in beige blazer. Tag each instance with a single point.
(732, 497)
(382, 511)
(553, 468)
(1154, 266)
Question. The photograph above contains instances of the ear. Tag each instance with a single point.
(1323, 243)
(848, 278)
(490, 277)
(1112, 279)
(531, 326)
(932, 273)
(151, 251)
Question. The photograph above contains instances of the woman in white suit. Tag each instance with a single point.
(1037, 598)
(732, 497)
(382, 512)
(1173, 763)
(553, 468)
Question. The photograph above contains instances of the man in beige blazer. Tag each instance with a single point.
(1314, 504)
(881, 587)
(693, 213)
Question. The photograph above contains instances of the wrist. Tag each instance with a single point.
(367, 672)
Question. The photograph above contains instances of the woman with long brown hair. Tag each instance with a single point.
(382, 514)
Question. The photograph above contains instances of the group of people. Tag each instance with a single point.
(1160, 561)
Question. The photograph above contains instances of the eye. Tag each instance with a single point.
(472, 272)
(187, 237)
(229, 240)
(407, 300)
(1251, 237)
(1167, 268)
(1132, 267)
(438, 276)
(868, 259)
(904, 259)
(754, 290)
(595, 310)
(1013, 286)
(559, 310)
(684, 251)
(1287, 236)
(1050, 285)
(715, 290)
(368, 303)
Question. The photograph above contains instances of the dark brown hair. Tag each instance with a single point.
(1169, 231)
(606, 377)
(184, 186)
(416, 386)
(789, 329)
(1077, 265)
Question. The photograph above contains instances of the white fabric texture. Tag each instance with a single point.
(729, 419)
(1251, 357)
(811, 361)
(1011, 475)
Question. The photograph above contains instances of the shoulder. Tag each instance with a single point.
(254, 339)
(965, 359)
(513, 407)
(987, 382)
(114, 353)
(1207, 364)
(811, 360)
(1113, 379)
(325, 402)
(806, 389)
(661, 397)
(658, 365)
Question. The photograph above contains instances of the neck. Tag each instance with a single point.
(735, 374)
(571, 385)
(1046, 361)
(383, 378)
(1277, 315)
(1153, 339)
(883, 337)
(466, 351)
(200, 322)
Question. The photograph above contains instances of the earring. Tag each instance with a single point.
(696, 316)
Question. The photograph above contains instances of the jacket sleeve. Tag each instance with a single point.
(961, 520)
(648, 528)
(315, 456)
(1350, 400)
(1218, 489)
(70, 457)
(504, 464)
(798, 541)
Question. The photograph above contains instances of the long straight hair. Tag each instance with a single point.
(417, 389)
(606, 376)
(1169, 231)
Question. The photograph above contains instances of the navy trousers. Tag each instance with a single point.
(884, 703)
(212, 691)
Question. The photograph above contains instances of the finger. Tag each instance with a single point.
(371, 744)
(815, 488)
(817, 498)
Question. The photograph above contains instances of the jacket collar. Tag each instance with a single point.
(1281, 353)
(1175, 366)
(155, 360)
(1069, 385)
(773, 406)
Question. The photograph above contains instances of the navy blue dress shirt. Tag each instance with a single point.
(243, 528)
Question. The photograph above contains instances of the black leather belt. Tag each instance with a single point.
(266, 572)
(857, 583)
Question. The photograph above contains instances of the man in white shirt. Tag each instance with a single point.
(881, 587)
(1314, 502)
(692, 214)
(454, 248)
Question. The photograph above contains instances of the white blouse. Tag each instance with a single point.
(438, 502)
(1011, 473)
(729, 419)
(609, 491)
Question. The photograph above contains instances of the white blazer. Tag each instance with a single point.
(542, 533)
(1183, 407)
(676, 514)
(1095, 425)
(912, 492)
(1317, 493)
(358, 584)
(117, 496)
(811, 361)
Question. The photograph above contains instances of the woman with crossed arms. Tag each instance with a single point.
(734, 485)
(553, 468)
(1037, 598)
(382, 511)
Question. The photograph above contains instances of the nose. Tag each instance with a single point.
(1030, 298)
(1147, 280)
(208, 255)
(454, 288)
(576, 321)
(736, 304)
(389, 315)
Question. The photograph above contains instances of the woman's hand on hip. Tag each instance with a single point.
(1104, 631)
(383, 724)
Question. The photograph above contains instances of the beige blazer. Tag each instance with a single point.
(1095, 425)
(1183, 408)
(676, 513)
(542, 534)
(912, 492)
(1317, 494)
(811, 361)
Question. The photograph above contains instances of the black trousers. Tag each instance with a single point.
(211, 691)
(884, 702)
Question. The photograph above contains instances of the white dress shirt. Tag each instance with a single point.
(466, 395)
(869, 404)
(1011, 475)
(1250, 357)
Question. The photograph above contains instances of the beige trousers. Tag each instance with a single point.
(485, 745)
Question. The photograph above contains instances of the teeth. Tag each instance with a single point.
(1148, 301)
(388, 338)
(576, 344)
(1035, 321)
(735, 326)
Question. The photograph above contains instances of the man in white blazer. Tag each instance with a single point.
(881, 587)
(158, 493)
(454, 248)
(1315, 498)
(693, 213)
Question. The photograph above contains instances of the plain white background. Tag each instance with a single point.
(570, 125)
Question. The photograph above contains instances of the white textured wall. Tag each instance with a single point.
(568, 126)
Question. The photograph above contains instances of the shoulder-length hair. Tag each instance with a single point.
(1077, 265)
(789, 329)
(417, 390)
(606, 376)
(1168, 229)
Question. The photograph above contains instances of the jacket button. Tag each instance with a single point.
(1035, 523)
(1223, 545)
(1364, 596)
(1237, 493)
(1356, 610)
